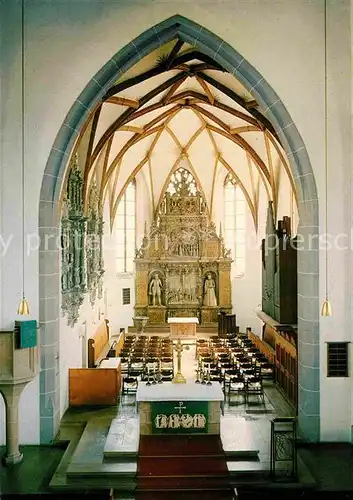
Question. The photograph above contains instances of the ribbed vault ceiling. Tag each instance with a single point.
(177, 107)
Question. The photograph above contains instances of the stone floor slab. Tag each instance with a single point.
(123, 438)
(91, 446)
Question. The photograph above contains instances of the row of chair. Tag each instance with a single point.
(236, 363)
(146, 358)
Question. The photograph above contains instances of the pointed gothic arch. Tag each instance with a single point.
(277, 115)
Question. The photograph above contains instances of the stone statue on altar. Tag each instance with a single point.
(209, 297)
(155, 290)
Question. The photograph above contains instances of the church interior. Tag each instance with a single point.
(175, 276)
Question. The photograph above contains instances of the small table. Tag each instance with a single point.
(183, 328)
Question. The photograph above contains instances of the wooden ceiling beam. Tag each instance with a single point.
(212, 117)
(131, 142)
(172, 90)
(123, 101)
(148, 130)
(124, 117)
(237, 139)
(245, 128)
(206, 88)
(251, 104)
(239, 100)
(158, 70)
(90, 148)
(195, 54)
(170, 59)
(131, 128)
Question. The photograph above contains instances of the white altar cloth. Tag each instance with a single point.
(179, 392)
(183, 320)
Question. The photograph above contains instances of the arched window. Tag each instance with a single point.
(124, 231)
(234, 223)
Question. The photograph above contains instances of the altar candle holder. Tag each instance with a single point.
(209, 374)
(148, 377)
(197, 381)
(203, 378)
(154, 377)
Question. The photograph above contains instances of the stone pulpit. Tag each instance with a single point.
(18, 366)
(182, 267)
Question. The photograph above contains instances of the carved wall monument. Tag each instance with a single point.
(182, 267)
(94, 247)
(81, 247)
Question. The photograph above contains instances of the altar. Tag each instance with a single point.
(179, 408)
(182, 266)
(183, 328)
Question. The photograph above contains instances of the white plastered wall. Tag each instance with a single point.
(283, 40)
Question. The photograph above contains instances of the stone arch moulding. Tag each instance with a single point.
(308, 260)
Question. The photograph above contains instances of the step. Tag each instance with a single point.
(242, 455)
(180, 494)
(182, 466)
(102, 469)
(70, 433)
(248, 467)
(196, 482)
(82, 467)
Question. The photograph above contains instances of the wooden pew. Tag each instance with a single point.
(100, 383)
(100, 344)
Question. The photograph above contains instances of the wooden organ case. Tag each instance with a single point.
(279, 302)
(279, 271)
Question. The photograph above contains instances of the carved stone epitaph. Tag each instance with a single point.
(94, 247)
(81, 247)
(181, 257)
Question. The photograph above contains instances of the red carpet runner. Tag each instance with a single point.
(183, 466)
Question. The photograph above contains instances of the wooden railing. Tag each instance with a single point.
(262, 347)
(284, 359)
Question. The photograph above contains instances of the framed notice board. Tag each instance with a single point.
(26, 334)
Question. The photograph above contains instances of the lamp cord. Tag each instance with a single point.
(22, 142)
(326, 135)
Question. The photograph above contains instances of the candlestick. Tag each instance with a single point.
(179, 377)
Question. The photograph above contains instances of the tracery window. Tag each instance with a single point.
(182, 180)
(234, 223)
(124, 231)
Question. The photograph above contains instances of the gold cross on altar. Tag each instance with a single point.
(179, 377)
(180, 407)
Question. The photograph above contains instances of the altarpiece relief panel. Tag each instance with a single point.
(182, 256)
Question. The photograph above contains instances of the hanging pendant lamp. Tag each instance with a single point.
(326, 309)
(23, 307)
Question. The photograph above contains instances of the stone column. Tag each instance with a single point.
(12, 393)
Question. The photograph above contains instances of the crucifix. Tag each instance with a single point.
(180, 407)
(179, 377)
